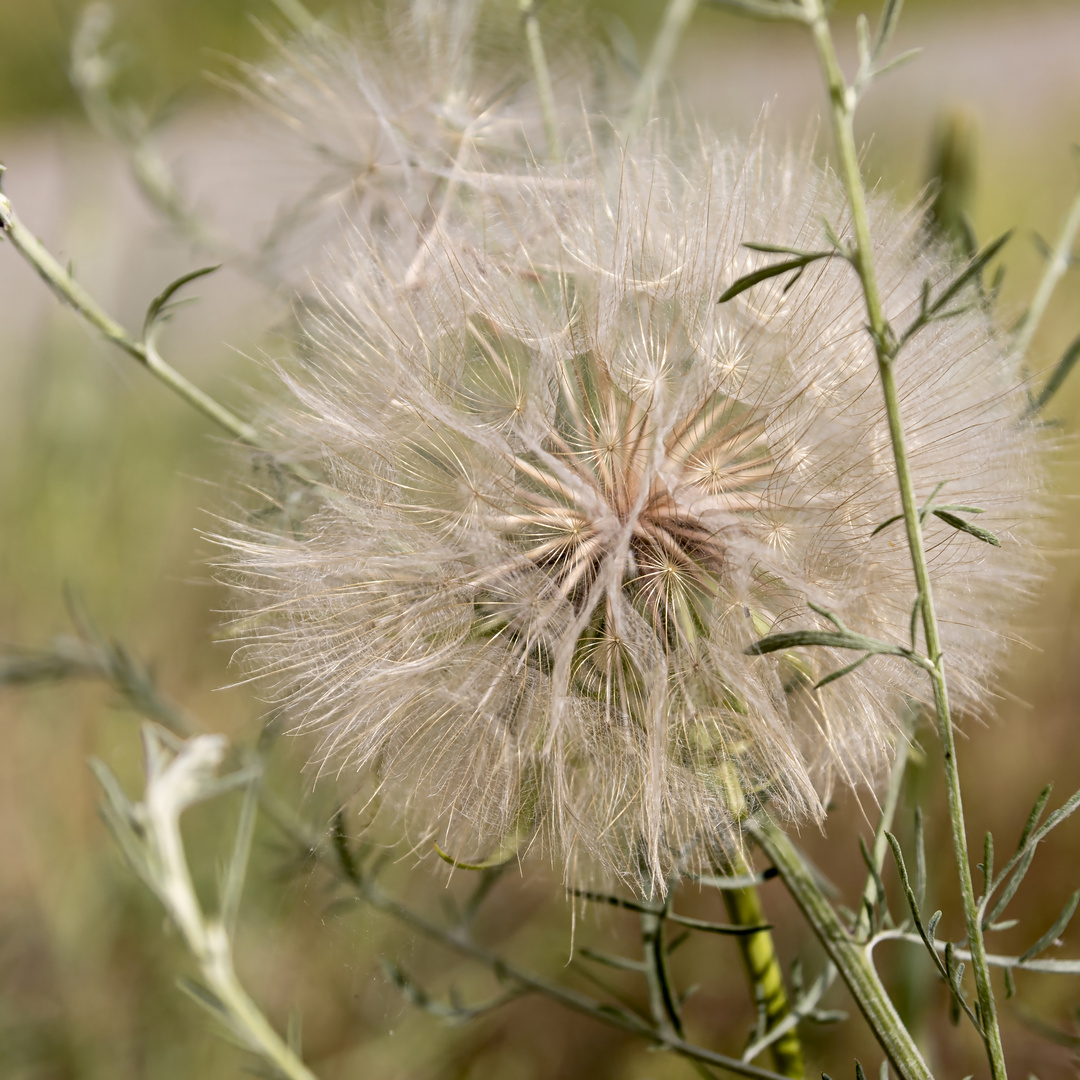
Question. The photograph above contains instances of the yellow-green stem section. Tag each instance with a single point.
(764, 972)
(847, 954)
(842, 110)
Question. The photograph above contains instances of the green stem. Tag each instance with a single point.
(842, 110)
(71, 292)
(616, 1017)
(848, 955)
(542, 74)
(764, 972)
(884, 825)
(1060, 260)
(676, 15)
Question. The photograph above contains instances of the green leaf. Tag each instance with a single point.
(920, 860)
(965, 526)
(1036, 813)
(1057, 378)
(623, 963)
(958, 509)
(748, 281)
(886, 523)
(834, 675)
(890, 16)
(1055, 931)
(988, 860)
(898, 61)
(770, 10)
(973, 269)
(159, 306)
(232, 887)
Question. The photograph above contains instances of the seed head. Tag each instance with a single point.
(566, 490)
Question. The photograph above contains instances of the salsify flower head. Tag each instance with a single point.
(566, 490)
(397, 119)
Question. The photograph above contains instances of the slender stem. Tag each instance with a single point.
(1060, 260)
(1047, 967)
(462, 944)
(842, 101)
(71, 292)
(763, 971)
(848, 955)
(884, 825)
(543, 78)
(208, 939)
(676, 15)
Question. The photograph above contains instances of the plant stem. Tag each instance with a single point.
(763, 971)
(842, 111)
(1059, 261)
(71, 292)
(620, 1018)
(677, 14)
(543, 78)
(884, 825)
(848, 955)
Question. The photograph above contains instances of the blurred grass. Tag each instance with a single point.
(98, 491)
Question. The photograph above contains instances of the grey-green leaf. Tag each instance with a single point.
(959, 523)
(748, 281)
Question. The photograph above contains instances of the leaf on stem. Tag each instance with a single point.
(961, 525)
(799, 261)
(160, 307)
(1061, 372)
(1055, 931)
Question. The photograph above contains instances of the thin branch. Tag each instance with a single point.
(72, 293)
(1014, 963)
(842, 107)
(1061, 258)
(677, 15)
(542, 74)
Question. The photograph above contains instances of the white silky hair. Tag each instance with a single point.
(565, 490)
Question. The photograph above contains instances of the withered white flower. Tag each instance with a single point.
(566, 490)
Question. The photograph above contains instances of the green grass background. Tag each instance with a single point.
(103, 486)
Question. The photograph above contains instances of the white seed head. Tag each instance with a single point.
(422, 100)
(566, 490)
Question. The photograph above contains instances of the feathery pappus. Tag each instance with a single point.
(565, 490)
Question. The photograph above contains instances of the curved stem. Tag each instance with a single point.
(848, 955)
(842, 101)
(71, 292)
(1059, 261)
(764, 972)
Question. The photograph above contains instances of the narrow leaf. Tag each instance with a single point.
(920, 861)
(970, 272)
(621, 962)
(1055, 931)
(232, 887)
(932, 925)
(1033, 818)
(1057, 377)
(1018, 872)
(886, 523)
(966, 526)
(157, 306)
(898, 61)
(988, 861)
(748, 281)
(890, 16)
(834, 675)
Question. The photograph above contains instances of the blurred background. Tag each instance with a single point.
(106, 481)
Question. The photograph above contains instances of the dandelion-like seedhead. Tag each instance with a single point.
(566, 490)
(398, 121)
